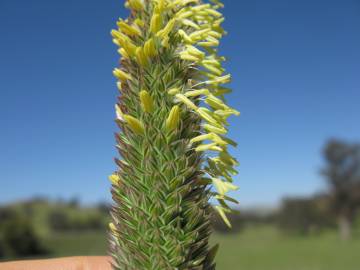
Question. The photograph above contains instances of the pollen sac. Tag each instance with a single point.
(174, 117)
(146, 101)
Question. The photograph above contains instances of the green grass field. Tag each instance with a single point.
(261, 248)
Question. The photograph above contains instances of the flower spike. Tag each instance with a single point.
(175, 153)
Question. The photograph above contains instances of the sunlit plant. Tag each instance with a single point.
(173, 119)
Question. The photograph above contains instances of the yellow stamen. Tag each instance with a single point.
(194, 51)
(173, 91)
(181, 3)
(199, 8)
(221, 91)
(214, 12)
(129, 47)
(215, 34)
(206, 147)
(117, 35)
(189, 57)
(128, 29)
(186, 101)
(200, 34)
(174, 117)
(123, 53)
(136, 4)
(220, 80)
(167, 29)
(218, 3)
(188, 22)
(196, 93)
(113, 228)
(185, 37)
(207, 116)
(215, 70)
(183, 13)
(135, 125)
(223, 187)
(155, 23)
(201, 138)
(114, 179)
(139, 22)
(214, 129)
(149, 48)
(216, 138)
(211, 42)
(146, 101)
(140, 57)
(226, 113)
(121, 75)
(227, 159)
(216, 103)
(160, 5)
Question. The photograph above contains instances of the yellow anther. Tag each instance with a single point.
(123, 53)
(167, 29)
(121, 75)
(189, 57)
(207, 116)
(114, 179)
(128, 29)
(216, 103)
(201, 138)
(206, 147)
(135, 125)
(190, 23)
(220, 80)
(146, 100)
(185, 37)
(195, 93)
(155, 23)
(139, 22)
(140, 57)
(186, 101)
(173, 91)
(149, 48)
(174, 117)
(136, 4)
(223, 187)
(217, 130)
(195, 51)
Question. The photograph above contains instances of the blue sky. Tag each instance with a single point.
(295, 66)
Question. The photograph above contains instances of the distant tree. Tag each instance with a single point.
(104, 207)
(304, 215)
(343, 176)
(67, 219)
(74, 202)
(59, 220)
(17, 237)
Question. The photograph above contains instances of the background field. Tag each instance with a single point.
(259, 248)
(258, 241)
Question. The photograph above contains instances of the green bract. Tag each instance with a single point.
(173, 118)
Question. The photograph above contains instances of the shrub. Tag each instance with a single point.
(18, 239)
